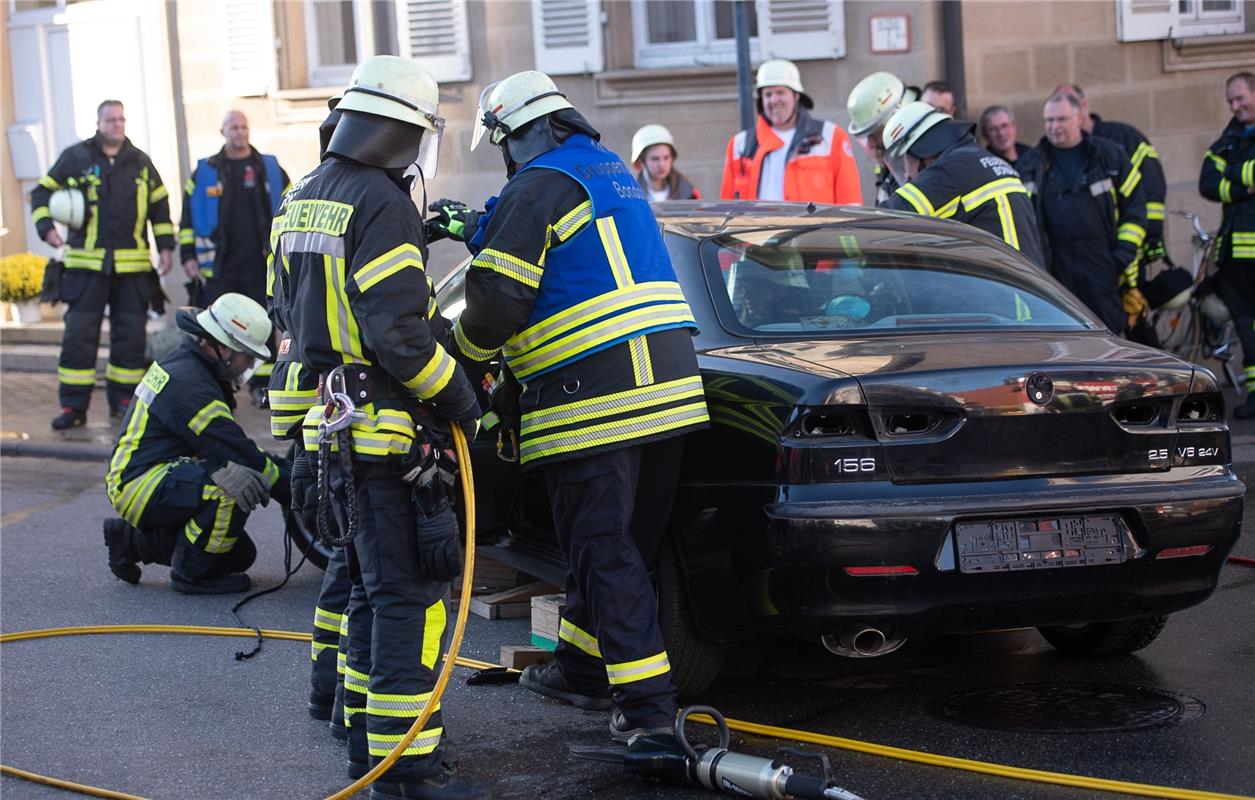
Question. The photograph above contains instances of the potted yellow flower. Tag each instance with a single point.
(21, 278)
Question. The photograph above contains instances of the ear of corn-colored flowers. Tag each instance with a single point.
(21, 277)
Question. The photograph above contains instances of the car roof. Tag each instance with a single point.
(702, 218)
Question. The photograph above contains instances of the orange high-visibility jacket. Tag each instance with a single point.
(820, 168)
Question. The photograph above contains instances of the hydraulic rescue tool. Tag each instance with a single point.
(718, 768)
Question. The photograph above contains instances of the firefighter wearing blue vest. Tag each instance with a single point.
(572, 283)
(228, 205)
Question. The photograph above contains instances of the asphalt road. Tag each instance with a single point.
(179, 717)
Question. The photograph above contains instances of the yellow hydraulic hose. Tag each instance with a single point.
(790, 734)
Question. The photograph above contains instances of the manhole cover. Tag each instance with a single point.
(1071, 708)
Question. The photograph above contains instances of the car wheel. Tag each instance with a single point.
(695, 660)
(1104, 638)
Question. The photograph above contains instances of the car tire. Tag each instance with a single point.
(1104, 638)
(695, 660)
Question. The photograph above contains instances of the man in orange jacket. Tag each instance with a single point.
(789, 155)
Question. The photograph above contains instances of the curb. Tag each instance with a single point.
(59, 451)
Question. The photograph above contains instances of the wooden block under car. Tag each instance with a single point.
(511, 603)
(547, 615)
(518, 656)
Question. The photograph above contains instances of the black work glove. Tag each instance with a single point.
(453, 219)
(436, 531)
(50, 292)
(305, 490)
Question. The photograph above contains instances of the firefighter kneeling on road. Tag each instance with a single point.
(349, 283)
(947, 174)
(572, 282)
(184, 476)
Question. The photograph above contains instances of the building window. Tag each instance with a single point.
(1146, 20)
(1203, 12)
(340, 33)
(684, 33)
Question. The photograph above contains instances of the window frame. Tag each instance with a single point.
(704, 51)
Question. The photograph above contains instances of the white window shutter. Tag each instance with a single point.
(801, 29)
(1144, 20)
(434, 33)
(248, 31)
(566, 36)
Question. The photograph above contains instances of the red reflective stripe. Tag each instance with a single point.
(904, 569)
(1183, 552)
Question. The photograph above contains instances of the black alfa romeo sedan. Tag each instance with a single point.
(913, 431)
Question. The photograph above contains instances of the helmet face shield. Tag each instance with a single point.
(480, 127)
(429, 148)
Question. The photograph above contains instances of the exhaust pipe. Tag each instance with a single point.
(860, 640)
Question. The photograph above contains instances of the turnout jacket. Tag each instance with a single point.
(180, 411)
(1145, 161)
(571, 282)
(969, 184)
(1099, 221)
(348, 285)
(1228, 177)
(204, 194)
(122, 195)
(820, 167)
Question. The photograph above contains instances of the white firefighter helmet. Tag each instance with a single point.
(872, 101)
(509, 104)
(237, 322)
(778, 72)
(647, 137)
(905, 127)
(396, 88)
(68, 207)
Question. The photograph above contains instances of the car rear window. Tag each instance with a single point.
(819, 280)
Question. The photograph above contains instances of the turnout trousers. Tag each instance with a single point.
(611, 511)
(330, 620)
(192, 526)
(86, 293)
(396, 623)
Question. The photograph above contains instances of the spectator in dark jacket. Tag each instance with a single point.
(997, 126)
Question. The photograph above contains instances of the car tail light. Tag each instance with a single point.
(1136, 415)
(862, 572)
(825, 423)
(1200, 408)
(1184, 552)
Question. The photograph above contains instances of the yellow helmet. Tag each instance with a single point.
(647, 137)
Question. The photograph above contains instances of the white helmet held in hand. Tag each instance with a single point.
(872, 101)
(509, 104)
(68, 207)
(647, 137)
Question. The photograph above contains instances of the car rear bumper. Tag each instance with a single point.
(802, 585)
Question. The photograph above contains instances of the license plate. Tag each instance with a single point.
(1047, 543)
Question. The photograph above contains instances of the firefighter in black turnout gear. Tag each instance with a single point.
(949, 175)
(350, 289)
(1228, 177)
(571, 282)
(183, 475)
(1091, 210)
(107, 261)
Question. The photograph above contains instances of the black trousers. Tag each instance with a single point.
(396, 624)
(86, 293)
(610, 511)
(1236, 287)
(330, 620)
(191, 526)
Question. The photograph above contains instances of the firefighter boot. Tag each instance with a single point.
(623, 731)
(69, 418)
(123, 556)
(336, 723)
(321, 704)
(231, 583)
(441, 786)
(548, 680)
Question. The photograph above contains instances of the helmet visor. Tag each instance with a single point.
(480, 127)
(429, 147)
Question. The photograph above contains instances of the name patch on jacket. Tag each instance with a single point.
(1098, 187)
(318, 216)
(155, 379)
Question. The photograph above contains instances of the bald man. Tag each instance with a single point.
(228, 204)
